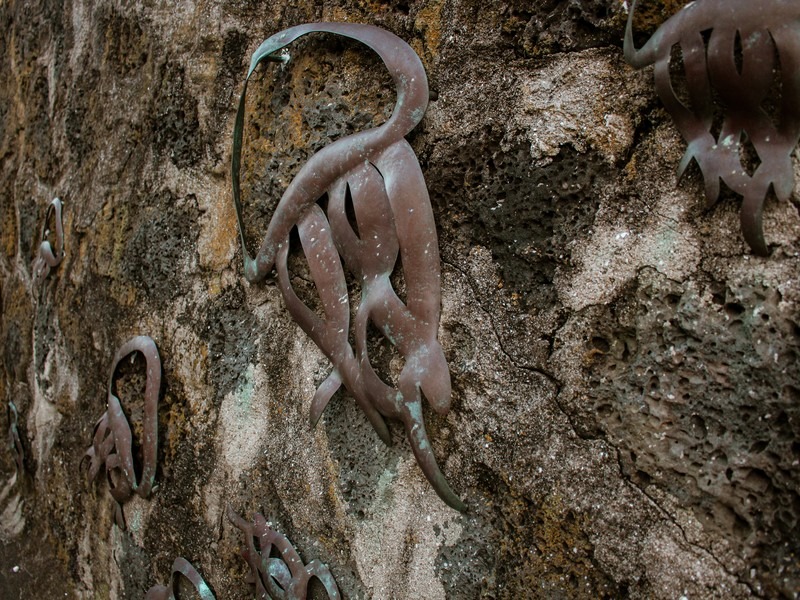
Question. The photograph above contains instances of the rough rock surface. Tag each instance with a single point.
(626, 394)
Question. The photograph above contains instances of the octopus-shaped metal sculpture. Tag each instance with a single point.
(47, 258)
(708, 33)
(180, 568)
(378, 171)
(284, 577)
(112, 441)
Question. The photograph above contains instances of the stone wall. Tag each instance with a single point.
(625, 418)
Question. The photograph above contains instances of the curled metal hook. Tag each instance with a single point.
(707, 32)
(286, 577)
(181, 568)
(48, 258)
(376, 170)
(112, 440)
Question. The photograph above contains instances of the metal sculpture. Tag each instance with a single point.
(710, 34)
(14, 441)
(112, 440)
(181, 567)
(378, 172)
(284, 577)
(47, 258)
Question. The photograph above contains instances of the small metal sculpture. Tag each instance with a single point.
(112, 440)
(15, 443)
(378, 171)
(285, 577)
(181, 567)
(763, 31)
(47, 259)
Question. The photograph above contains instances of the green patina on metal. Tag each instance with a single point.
(112, 442)
(180, 568)
(286, 577)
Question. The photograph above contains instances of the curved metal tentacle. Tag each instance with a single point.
(333, 161)
(112, 438)
(761, 28)
(419, 254)
(14, 441)
(750, 218)
(323, 395)
(46, 251)
(644, 56)
(318, 569)
(48, 258)
(121, 461)
(180, 568)
(347, 242)
(420, 445)
(286, 577)
(147, 347)
(416, 230)
(329, 334)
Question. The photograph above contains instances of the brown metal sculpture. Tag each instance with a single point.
(284, 577)
(14, 440)
(180, 568)
(710, 34)
(47, 258)
(112, 441)
(378, 171)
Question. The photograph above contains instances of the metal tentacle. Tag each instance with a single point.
(181, 568)
(112, 439)
(285, 577)
(14, 440)
(765, 30)
(48, 258)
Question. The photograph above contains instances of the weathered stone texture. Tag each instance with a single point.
(626, 391)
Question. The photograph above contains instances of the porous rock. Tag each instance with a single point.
(625, 418)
